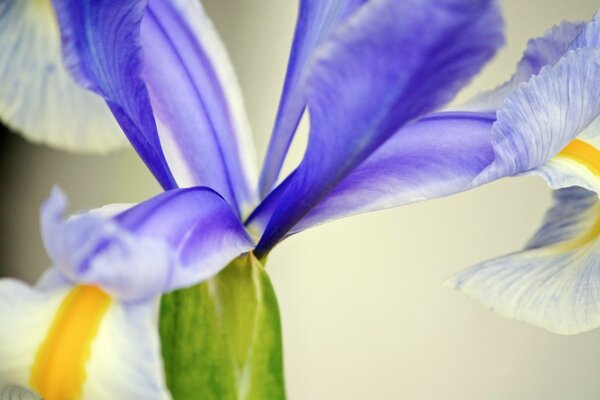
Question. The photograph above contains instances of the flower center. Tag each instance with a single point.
(58, 372)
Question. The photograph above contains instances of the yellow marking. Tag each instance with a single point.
(583, 153)
(590, 235)
(58, 372)
(588, 156)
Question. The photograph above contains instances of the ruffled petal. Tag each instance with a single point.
(173, 240)
(544, 115)
(372, 76)
(541, 51)
(555, 281)
(106, 349)
(197, 102)
(101, 48)
(316, 20)
(438, 155)
(38, 98)
(590, 36)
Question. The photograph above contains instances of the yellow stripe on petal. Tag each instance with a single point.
(58, 372)
(583, 153)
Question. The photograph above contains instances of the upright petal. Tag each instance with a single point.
(101, 48)
(197, 102)
(38, 98)
(438, 155)
(75, 342)
(590, 36)
(555, 281)
(544, 115)
(316, 20)
(173, 240)
(541, 51)
(373, 76)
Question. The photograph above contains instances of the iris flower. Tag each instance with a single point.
(369, 74)
(547, 124)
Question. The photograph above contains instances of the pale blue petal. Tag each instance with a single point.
(555, 282)
(38, 98)
(545, 114)
(173, 240)
(590, 37)
(372, 76)
(541, 51)
(316, 20)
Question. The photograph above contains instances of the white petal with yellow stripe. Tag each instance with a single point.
(73, 337)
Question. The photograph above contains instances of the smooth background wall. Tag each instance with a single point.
(364, 312)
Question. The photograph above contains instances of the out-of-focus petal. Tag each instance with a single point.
(27, 315)
(38, 98)
(554, 282)
(101, 48)
(541, 51)
(316, 20)
(197, 102)
(173, 240)
(75, 342)
(544, 115)
(372, 76)
(436, 156)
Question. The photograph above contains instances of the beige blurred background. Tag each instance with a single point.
(363, 309)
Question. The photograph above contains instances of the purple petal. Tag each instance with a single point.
(373, 76)
(197, 102)
(102, 50)
(173, 240)
(316, 20)
(439, 155)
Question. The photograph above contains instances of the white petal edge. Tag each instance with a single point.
(25, 317)
(126, 361)
(555, 282)
(38, 97)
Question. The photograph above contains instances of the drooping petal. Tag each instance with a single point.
(173, 240)
(555, 281)
(316, 20)
(75, 342)
(38, 98)
(544, 115)
(541, 51)
(373, 76)
(438, 155)
(197, 101)
(101, 48)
